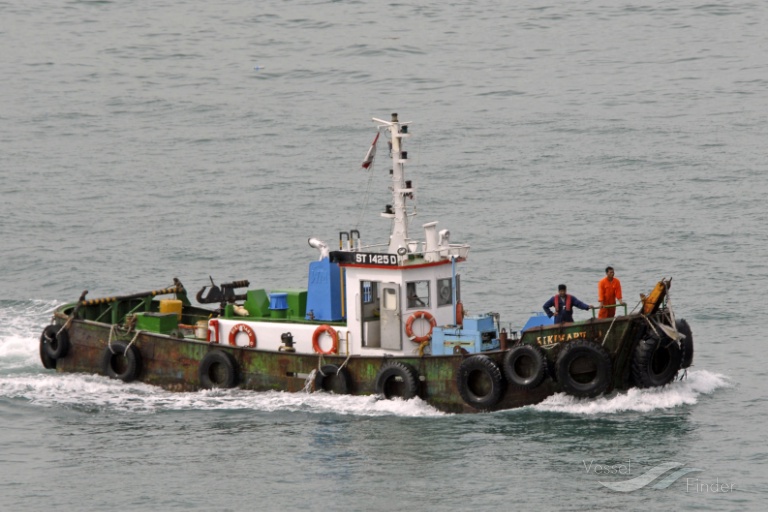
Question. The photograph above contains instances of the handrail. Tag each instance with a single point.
(612, 306)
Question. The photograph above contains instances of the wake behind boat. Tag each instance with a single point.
(383, 319)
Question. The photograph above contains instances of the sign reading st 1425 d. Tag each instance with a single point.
(364, 258)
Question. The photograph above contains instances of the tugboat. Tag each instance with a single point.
(383, 319)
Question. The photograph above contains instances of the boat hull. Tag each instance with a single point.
(175, 363)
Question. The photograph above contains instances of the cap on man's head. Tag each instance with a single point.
(561, 287)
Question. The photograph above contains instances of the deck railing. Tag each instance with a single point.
(613, 306)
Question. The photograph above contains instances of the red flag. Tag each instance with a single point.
(368, 160)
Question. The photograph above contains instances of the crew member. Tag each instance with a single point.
(608, 291)
(563, 304)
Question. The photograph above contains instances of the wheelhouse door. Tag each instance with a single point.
(391, 325)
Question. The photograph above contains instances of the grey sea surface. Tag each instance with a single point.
(141, 141)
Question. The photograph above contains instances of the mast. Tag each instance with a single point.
(398, 238)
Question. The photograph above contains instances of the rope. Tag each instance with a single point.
(671, 315)
(364, 209)
(344, 363)
(309, 382)
(609, 330)
(125, 353)
(109, 341)
(653, 327)
(671, 311)
(320, 364)
(116, 331)
(614, 320)
(72, 315)
(65, 326)
(658, 336)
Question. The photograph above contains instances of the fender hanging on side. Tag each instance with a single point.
(655, 361)
(480, 382)
(686, 343)
(584, 369)
(333, 379)
(55, 342)
(525, 366)
(396, 379)
(218, 369)
(49, 363)
(121, 361)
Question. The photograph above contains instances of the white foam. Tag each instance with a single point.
(22, 377)
(17, 352)
(94, 392)
(684, 392)
(20, 326)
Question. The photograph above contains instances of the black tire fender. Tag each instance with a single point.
(480, 382)
(584, 369)
(49, 363)
(55, 342)
(333, 379)
(397, 380)
(218, 369)
(121, 361)
(525, 366)
(655, 361)
(686, 344)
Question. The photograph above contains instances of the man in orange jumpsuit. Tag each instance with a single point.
(608, 291)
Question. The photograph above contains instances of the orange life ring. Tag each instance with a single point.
(459, 313)
(316, 339)
(213, 330)
(409, 326)
(242, 328)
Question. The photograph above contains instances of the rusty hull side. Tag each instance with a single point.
(172, 363)
(618, 336)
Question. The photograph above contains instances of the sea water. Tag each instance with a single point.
(142, 141)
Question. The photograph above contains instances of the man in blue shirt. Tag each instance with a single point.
(563, 304)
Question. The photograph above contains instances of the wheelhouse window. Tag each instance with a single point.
(418, 294)
(389, 301)
(367, 292)
(445, 292)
